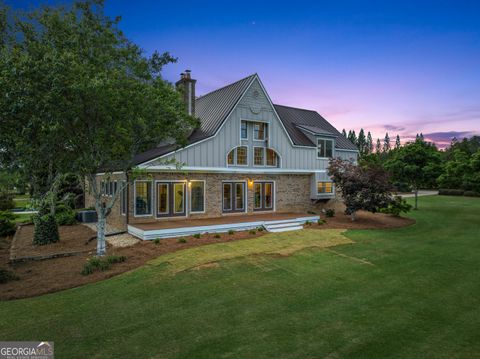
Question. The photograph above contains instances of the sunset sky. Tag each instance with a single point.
(399, 66)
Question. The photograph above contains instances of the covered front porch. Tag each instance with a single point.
(273, 222)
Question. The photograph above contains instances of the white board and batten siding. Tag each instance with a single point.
(212, 153)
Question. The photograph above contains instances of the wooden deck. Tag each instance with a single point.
(186, 227)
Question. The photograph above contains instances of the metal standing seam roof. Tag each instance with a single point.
(213, 108)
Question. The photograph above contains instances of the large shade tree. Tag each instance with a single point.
(417, 163)
(99, 99)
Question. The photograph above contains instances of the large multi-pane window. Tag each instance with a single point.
(324, 187)
(238, 156)
(259, 131)
(263, 196)
(143, 198)
(325, 148)
(243, 130)
(233, 197)
(258, 156)
(197, 196)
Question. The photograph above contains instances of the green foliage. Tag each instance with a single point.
(101, 263)
(112, 259)
(330, 212)
(471, 194)
(308, 223)
(397, 206)
(321, 222)
(197, 235)
(157, 241)
(46, 229)
(7, 223)
(184, 240)
(252, 231)
(217, 235)
(65, 216)
(231, 231)
(6, 200)
(7, 276)
(260, 229)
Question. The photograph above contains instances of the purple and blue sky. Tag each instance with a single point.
(399, 66)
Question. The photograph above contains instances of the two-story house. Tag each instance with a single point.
(248, 157)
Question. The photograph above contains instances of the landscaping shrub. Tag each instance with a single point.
(321, 222)
(112, 259)
(451, 192)
(65, 215)
(260, 229)
(7, 223)
(46, 229)
(308, 223)
(6, 201)
(471, 194)
(7, 276)
(330, 213)
(402, 187)
(196, 235)
(217, 235)
(397, 206)
(231, 231)
(184, 240)
(252, 231)
(156, 241)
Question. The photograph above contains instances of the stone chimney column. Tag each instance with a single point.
(186, 86)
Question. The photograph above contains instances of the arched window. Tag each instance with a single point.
(272, 158)
(238, 156)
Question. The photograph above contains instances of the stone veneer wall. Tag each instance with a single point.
(292, 194)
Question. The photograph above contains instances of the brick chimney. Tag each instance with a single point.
(186, 86)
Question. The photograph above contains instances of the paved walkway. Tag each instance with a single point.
(420, 193)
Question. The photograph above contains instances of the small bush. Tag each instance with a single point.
(321, 222)
(231, 231)
(451, 192)
(7, 223)
(156, 241)
(217, 235)
(252, 231)
(471, 194)
(260, 229)
(397, 206)
(6, 201)
(112, 259)
(402, 187)
(7, 276)
(46, 230)
(330, 213)
(308, 223)
(184, 240)
(196, 235)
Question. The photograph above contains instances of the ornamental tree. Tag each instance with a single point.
(75, 74)
(363, 187)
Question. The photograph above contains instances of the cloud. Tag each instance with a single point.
(443, 139)
(394, 128)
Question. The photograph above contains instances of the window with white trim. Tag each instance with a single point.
(260, 131)
(197, 196)
(243, 130)
(324, 187)
(143, 198)
(272, 158)
(324, 148)
(258, 156)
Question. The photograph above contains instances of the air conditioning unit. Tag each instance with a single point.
(87, 216)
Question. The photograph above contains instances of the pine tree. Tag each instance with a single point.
(378, 147)
(353, 137)
(349, 136)
(369, 143)
(361, 142)
(344, 133)
(386, 143)
(397, 142)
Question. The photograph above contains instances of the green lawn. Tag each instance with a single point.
(411, 292)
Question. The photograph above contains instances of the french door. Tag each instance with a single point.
(233, 197)
(263, 196)
(171, 199)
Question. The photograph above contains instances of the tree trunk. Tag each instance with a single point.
(416, 198)
(101, 223)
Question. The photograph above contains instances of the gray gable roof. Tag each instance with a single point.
(213, 109)
(292, 118)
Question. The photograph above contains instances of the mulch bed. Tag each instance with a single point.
(52, 275)
(73, 240)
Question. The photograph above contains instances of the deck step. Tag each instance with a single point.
(283, 227)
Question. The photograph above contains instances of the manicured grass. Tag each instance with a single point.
(23, 217)
(22, 200)
(410, 292)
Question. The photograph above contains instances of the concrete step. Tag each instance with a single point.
(284, 224)
(285, 229)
